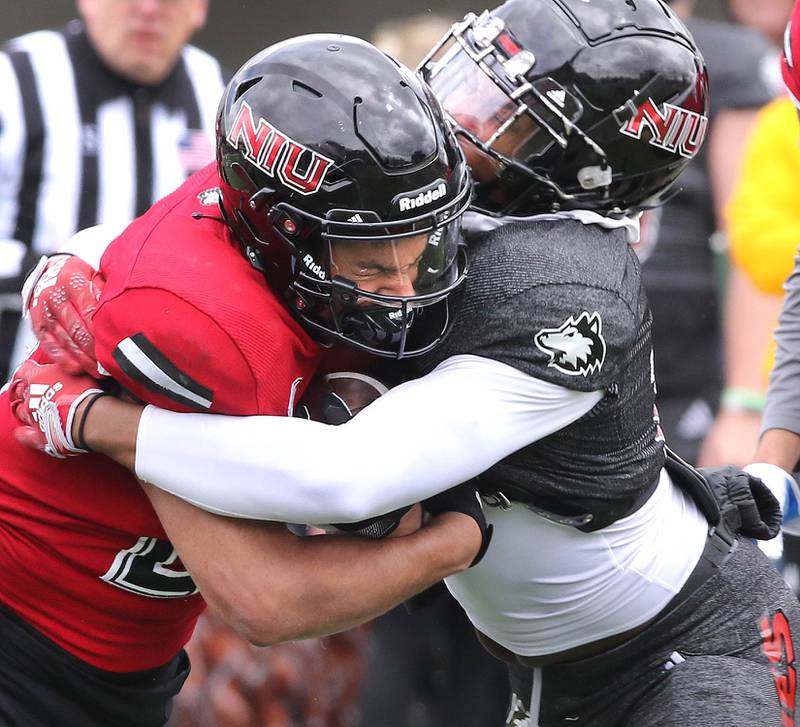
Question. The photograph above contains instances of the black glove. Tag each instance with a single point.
(747, 504)
(463, 498)
(377, 527)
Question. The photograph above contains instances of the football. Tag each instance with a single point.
(337, 397)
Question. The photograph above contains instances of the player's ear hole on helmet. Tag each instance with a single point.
(238, 177)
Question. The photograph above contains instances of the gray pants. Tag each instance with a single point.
(726, 656)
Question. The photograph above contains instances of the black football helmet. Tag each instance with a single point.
(344, 183)
(570, 104)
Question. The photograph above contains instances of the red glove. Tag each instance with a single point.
(61, 296)
(44, 399)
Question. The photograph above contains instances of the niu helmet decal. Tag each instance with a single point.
(274, 152)
(672, 128)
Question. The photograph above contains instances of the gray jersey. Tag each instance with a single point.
(562, 301)
(782, 410)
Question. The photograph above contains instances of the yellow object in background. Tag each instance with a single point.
(763, 215)
(764, 212)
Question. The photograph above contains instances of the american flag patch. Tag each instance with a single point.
(195, 150)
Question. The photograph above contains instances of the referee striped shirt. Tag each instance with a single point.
(81, 146)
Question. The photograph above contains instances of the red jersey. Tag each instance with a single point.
(790, 62)
(185, 323)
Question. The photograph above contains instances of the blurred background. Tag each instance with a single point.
(238, 28)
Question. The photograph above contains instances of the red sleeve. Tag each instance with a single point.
(167, 352)
(790, 62)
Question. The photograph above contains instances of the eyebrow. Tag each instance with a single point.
(374, 265)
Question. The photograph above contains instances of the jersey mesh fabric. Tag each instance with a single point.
(533, 276)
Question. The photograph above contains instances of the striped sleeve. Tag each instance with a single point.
(56, 195)
(12, 154)
(207, 80)
(142, 361)
(164, 351)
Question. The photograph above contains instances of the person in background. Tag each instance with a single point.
(679, 271)
(765, 227)
(764, 232)
(749, 314)
(764, 213)
(768, 17)
(99, 120)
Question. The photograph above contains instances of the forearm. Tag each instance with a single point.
(749, 320)
(750, 315)
(419, 439)
(779, 447)
(272, 586)
(111, 428)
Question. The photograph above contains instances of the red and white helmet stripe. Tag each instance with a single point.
(790, 63)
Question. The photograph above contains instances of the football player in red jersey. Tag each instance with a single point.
(614, 582)
(360, 187)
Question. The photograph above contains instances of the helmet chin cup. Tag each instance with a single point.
(379, 327)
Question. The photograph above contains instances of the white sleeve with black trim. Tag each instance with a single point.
(419, 439)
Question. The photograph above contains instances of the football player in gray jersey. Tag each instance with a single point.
(618, 588)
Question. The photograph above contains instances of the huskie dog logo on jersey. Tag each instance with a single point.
(577, 346)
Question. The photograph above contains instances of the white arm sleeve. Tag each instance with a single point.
(91, 243)
(419, 439)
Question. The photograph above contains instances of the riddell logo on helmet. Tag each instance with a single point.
(674, 129)
(275, 153)
(421, 198)
(314, 267)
